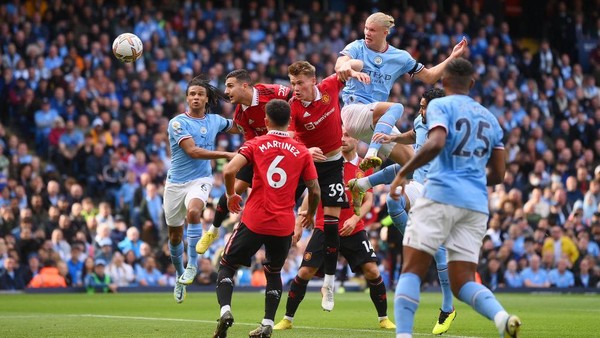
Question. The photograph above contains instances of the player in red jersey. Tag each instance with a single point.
(354, 246)
(250, 118)
(279, 163)
(316, 122)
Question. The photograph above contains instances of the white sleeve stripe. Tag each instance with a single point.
(183, 138)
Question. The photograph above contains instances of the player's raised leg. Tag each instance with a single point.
(358, 186)
(194, 231)
(385, 116)
(174, 208)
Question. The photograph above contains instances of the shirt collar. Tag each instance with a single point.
(279, 133)
(317, 98)
(354, 161)
(254, 99)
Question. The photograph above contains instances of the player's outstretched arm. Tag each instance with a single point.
(496, 167)
(196, 152)
(344, 66)
(433, 74)
(229, 172)
(314, 196)
(409, 137)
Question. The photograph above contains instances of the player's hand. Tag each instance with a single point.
(349, 226)
(360, 76)
(234, 203)
(345, 72)
(317, 154)
(308, 220)
(297, 233)
(399, 182)
(460, 47)
(229, 156)
(382, 138)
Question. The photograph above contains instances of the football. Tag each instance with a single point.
(127, 47)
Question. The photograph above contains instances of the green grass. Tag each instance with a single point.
(157, 315)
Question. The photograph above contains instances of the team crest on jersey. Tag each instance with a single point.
(325, 98)
(203, 130)
(307, 256)
(378, 60)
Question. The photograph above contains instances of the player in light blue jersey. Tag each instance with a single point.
(365, 108)
(189, 180)
(398, 210)
(465, 148)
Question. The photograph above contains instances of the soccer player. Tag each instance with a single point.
(189, 180)
(465, 144)
(250, 118)
(399, 209)
(316, 122)
(279, 163)
(354, 246)
(365, 110)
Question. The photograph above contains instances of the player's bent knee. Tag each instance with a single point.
(307, 273)
(194, 215)
(370, 271)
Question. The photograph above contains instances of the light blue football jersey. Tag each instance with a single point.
(384, 69)
(203, 131)
(421, 136)
(457, 176)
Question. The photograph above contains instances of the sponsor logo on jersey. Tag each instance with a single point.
(309, 126)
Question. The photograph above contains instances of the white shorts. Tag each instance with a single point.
(432, 224)
(413, 191)
(358, 121)
(177, 197)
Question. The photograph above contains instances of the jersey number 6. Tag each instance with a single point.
(273, 169)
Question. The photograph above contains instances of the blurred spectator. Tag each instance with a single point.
(206, 274)
(560, 277)
(586, 276)
(120, 272)
(533, 276)
(98, 280)
(10, 277)
(560, 245)
(48, 277)
(511, 275)
(149, 274)
(132, 242)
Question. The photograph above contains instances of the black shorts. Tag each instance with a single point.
(331, 182)
(244, 243)
(246, 173)
(355, 248)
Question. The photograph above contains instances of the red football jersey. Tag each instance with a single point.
(279, 163)
(351, 170)
(320, 123)
(252, 119)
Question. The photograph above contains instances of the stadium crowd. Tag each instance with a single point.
(83, 141)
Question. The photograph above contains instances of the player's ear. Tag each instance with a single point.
(472, 83)
(267, 122)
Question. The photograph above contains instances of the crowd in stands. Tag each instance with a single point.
(84, 150)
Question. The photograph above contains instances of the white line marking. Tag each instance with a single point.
(380, 331)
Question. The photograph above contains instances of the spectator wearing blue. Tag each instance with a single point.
(560, 277)
(149, 274)
(75, 265)
(512, 278)
(132, 242)
(533, 276)
(44, 118)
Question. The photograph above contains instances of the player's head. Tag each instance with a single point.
(302, 79)
(349, 144)
(429, 95)
(278, 114)
(201, 95)
(377, 28)
(237, 85)
(458, 76)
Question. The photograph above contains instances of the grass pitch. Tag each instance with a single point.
(157, 315)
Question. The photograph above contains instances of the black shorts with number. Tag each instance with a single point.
(331, 181)
(355, 248)
(246, 173)
(244, 243)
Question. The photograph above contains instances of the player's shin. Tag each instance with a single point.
(483, 301)
(397, 212)
(194, 231)
(295, 297)
(332, 244)
(406, 301)
(177, 257)
(222, 212)
(441, 262)
(384, 176)
(378, 296)
(272, 293)
(225, 284)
